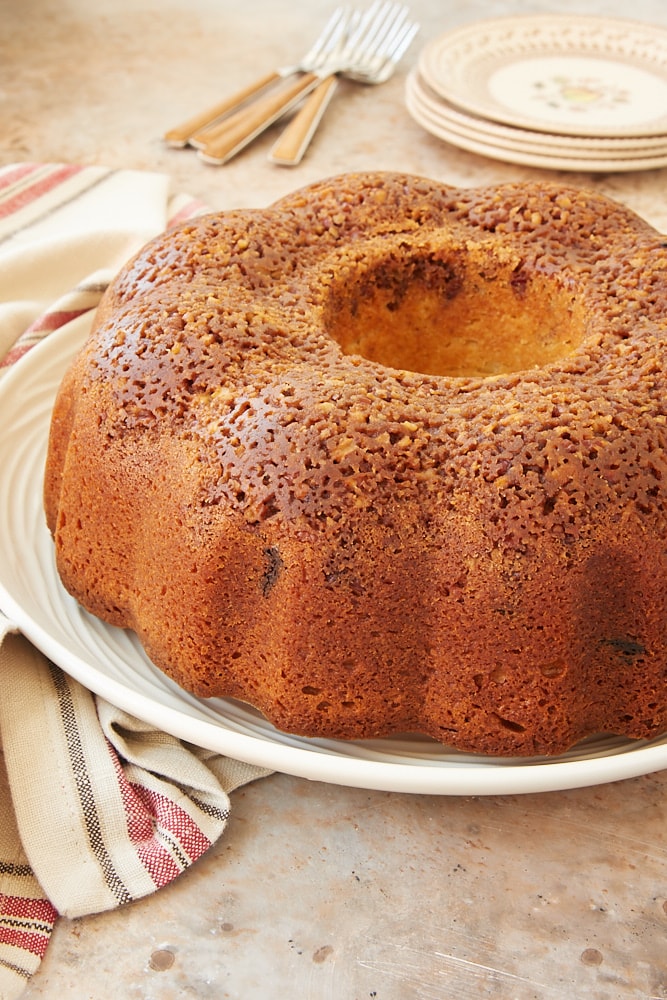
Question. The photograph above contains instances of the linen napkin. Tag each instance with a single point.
(96, 808)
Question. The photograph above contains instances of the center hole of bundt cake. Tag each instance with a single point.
(456, 316)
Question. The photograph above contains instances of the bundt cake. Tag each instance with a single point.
(386, 457)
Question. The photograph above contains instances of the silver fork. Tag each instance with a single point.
(378, 51)
(319, 53)
(234, 133)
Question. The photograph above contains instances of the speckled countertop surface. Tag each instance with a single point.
(318, 891)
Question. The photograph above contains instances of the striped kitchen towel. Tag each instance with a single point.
(96, 808)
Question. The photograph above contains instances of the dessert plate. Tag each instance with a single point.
(521, 147)
(583, 76)
(543, 142)
(111, 662)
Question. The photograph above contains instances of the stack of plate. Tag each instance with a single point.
(555, 91)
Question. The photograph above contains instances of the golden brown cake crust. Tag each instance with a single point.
(387, 456)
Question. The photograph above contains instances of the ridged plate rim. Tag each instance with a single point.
(462, 65)
(465, 136)
(111, 663)
(594, 148)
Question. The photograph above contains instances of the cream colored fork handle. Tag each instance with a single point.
(220, 144)
(180, 135)
(295, 139)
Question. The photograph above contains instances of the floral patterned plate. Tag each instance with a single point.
(617, 147)
(537, 149)
(577, 76)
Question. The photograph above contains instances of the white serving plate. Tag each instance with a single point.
(112, 663)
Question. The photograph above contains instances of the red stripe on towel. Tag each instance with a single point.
(15, 354)
(30, 941)
(149, 817)
(38, 189)
(50, 321)
(192, 208)
(176, 824)
(10, 176)
(30, 909)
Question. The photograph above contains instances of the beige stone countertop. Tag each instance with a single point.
(320, 891)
